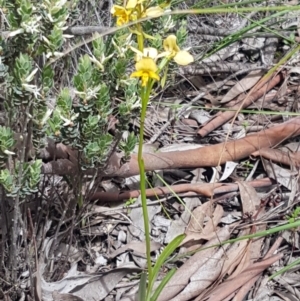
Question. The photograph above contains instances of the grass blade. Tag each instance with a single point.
(285, 269)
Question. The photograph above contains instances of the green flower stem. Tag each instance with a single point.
(145, 93)
(140, 37)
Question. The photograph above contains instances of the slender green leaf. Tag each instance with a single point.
(168, 250)
(285, 269)
(283, 227)
(162, 284)
(142, 287)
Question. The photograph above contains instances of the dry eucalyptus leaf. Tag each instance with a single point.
(182, 276)
(203, 277)
(228, 170)
(243, 85)
(65, 297)
(178, 226)
(195, 233)
(100, 286)
(228, 287)
(250, 199)
(235, 254)
(284, 176)
(198, 215)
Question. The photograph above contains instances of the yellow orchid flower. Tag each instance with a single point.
(122, 14)
(181, 57)
(125, 13)
(145, 69)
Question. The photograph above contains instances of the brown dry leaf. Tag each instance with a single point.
(195, 233)
(204, 276)
(254, 94)
(249, 198)
(228, 287)
(178, 226)
(244, 261)
(256, 245)
(240, 295)
(235, 255)
(197, 219)
(284, 176)
(254, 254)
(263, 290)
(243, 85)
(251, 203)
(214, 221)
(182, 276)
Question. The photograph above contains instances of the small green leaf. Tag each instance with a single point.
(168, 250)
(162, 284)
(142, 287)
(164, 78)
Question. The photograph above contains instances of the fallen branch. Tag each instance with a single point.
(204, 189)
(278, 156)
(200, 157)
(85, 30)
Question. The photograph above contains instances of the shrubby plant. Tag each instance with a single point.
(78, 115)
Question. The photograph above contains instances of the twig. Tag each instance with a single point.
(4, 227)
(35, 253)
(203, 189)
(27, 254)
(218, 67)
(84, 30)
(16, 217)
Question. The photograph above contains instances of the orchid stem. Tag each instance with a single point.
(145, 98)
